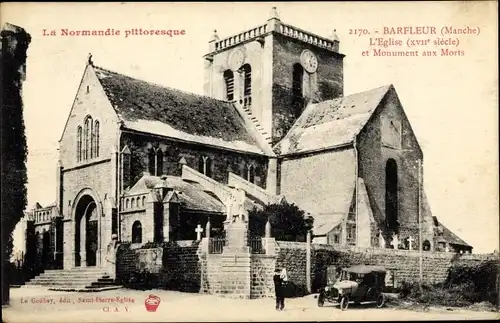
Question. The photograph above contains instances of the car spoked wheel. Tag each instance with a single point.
(344, 303)
(321, 300)
(380, 301)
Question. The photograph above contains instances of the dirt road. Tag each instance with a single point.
(41, 305)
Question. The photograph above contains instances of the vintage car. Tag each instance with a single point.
(357, 284)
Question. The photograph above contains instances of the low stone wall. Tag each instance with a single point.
(211, 279)
(187, 267)
(125, 263)
(401, 265)
(181, 268)
(227, 275)
(174, 266)
(292, 256)
(261, 276)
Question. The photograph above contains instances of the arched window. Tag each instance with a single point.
(229, 82)
(96, 139)
(159, 162)
(247, 84)
(127, 205)
(297, 89)
(391, 195)
(426, 245)
(137, 202)
(88, 138)
(79, 144)
(137, 232)
(152, 162)
(143, 200)
(205, 166)
(250, 173)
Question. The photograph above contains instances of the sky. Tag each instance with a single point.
(451, 101)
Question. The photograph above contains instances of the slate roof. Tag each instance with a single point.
(449, 236)
(155, 109)
(324, 223)
(331, 123)
(192, 195)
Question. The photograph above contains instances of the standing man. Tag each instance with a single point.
(278, 290)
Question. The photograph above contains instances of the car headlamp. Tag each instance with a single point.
(327, 288)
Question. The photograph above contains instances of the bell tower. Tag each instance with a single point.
(271, 72)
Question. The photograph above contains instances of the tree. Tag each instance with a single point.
(288, 221)
(15, 42)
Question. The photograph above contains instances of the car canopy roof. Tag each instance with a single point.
(364, 269)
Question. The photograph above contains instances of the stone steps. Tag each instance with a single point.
(76, 279)
(257, 124)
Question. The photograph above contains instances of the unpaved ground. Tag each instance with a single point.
(176, 306)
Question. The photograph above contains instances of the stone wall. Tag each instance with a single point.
(261, 276)
(401, 265)
(222, 161)
(181, 268)
(173, 266)
(292, 257)
(125, 263)
(188, 267)
(373, 154)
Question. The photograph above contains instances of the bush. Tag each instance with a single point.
(288, 222)
(437, 294)
(465, 285)
(142, 280)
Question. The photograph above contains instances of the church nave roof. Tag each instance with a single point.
(155, 109)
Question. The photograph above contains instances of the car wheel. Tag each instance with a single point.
(321, 300)
(380, 301)
(344, 303)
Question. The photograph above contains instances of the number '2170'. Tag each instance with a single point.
(358, 31)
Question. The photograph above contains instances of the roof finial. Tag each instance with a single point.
(274, 14)
(215, 37)
(335, 37)
(89, 60)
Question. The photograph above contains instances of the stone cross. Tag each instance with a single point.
(410, 242)
(395, 241)
(198, 231)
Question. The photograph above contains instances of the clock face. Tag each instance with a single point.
(309, 61)
(236, 59)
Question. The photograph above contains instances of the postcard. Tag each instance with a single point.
(254, 161)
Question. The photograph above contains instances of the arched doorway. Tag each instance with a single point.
(86, 232)
(45, 249)
(391, 195)
(137, 232)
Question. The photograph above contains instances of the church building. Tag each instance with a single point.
(152, 163)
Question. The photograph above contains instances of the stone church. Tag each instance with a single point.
(152, 163)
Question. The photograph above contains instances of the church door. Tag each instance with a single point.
(46, 250)
(91, 242)
(86, 232)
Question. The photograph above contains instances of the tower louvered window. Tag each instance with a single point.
(229, 81)
(247, 85)
(297, 89)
